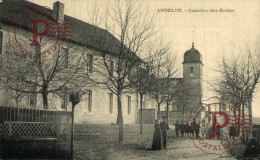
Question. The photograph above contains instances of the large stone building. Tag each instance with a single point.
(98, 105)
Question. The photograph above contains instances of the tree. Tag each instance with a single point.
(49, 61)
(12, 78)
(132, 28)
(239, 78)
(162, 73)
(77, 88)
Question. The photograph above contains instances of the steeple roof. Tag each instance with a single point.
(192, 56)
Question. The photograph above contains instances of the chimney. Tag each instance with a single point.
(58, 8)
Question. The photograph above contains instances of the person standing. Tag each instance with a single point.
(232, 131)
(192, 128)
(252, 149)
(206, 130)
(222, 135)
(218, 132)
(197, 129)
(182, 128)
(187, 127)
(203, 133)
(164, 127)
(157, 142)
(177, 128)
(210, 132)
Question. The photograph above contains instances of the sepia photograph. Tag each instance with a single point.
(130, 79)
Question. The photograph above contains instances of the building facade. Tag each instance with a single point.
(99, 104)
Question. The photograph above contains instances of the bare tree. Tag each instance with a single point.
(132, 28)
(162, 72)
(239, 77)
(77, 88)
(12, 77)
(47, 74)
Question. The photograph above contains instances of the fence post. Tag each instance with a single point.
(10, 114)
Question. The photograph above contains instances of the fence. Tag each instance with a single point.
(25, 115)
(34, 133)
(24, 122)
(27, 129)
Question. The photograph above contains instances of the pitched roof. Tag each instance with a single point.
(82, 33)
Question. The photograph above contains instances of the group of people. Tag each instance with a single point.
(186, 129)
(160, 134)
(194, 129)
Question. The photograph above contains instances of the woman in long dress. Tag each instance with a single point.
(156, 137)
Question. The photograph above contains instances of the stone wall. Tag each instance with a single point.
(55, 147)
(63, 131)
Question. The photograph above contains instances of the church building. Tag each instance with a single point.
(182, 105)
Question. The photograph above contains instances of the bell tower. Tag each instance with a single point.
(192, 64)
(192, 76)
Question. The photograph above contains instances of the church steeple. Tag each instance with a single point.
(192, 64)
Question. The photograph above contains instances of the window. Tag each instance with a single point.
(1, 41)
(110, 103)
(32, 100)
(90, 100)
(66, 57)
(32, 97)
(112, 67)
(129, 104)
(90, 63)
(64, 101)
(191, 70)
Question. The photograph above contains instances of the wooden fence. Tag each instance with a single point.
(25, 114)
(24, 122)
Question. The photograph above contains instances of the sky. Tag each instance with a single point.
(213, 33)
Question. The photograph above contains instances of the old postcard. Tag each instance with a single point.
(130, 79)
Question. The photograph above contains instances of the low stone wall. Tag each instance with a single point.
(63, 131)
(56, 146)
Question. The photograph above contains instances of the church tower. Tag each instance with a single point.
(192, 76)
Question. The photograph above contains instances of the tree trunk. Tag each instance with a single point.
(159, 113)
(120, 118)
(141, 114)
(45, 100)
(16, 101)
(242, 121)
(167, 112)
(72, 131)
(250, 113)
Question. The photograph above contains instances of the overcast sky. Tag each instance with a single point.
(214, 33)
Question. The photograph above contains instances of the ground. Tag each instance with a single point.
(94, 141)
